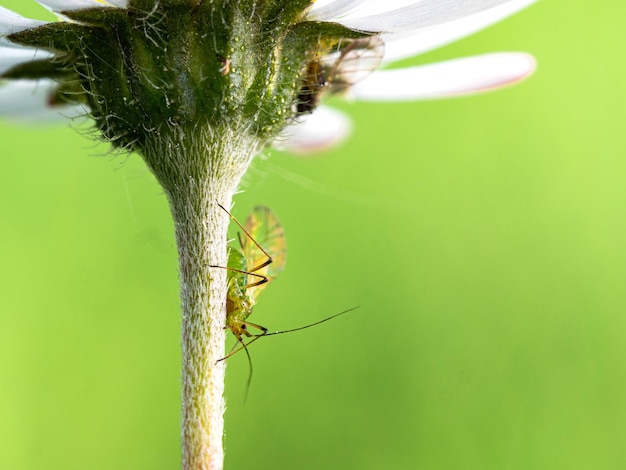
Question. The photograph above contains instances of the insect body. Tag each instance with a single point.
(348, 62)
(251, 267)
(257, 262)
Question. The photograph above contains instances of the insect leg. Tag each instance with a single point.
(262, 279)
(269, 258)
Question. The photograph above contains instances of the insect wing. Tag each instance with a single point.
(352, 61)
(263, 226)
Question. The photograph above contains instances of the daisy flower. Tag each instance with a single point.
(199, 87)
(407, 28)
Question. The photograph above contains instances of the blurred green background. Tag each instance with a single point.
(482, 237)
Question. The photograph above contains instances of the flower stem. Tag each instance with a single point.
(201, 238)
(198, 170)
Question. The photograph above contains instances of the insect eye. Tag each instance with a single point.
(243, 326)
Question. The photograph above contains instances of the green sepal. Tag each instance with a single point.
(146, 6)
(285, 12)
(48, 68)
(101, 17)
(68, 92)
(324, 31)
(54, 37)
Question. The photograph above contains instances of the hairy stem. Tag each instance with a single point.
(201, 238)
(198, 170)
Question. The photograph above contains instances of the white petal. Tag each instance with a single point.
(23, 97)
(331, 11)
(27, 101)
(323, 129)
(67, 5)
(437, 36)
(446, 79)
(12, 56)
(4, 42)
(420, 15)
(11, 22)
(376, 7)
(118, 3)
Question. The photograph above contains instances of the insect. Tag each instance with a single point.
(251, 267)
(351, 61)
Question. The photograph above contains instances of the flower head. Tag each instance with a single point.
(136, 65)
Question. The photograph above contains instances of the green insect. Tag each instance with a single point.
(259, 258)
(250, 270)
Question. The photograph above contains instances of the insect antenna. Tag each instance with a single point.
(244, 346)
(305, 326)
(245, 396)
